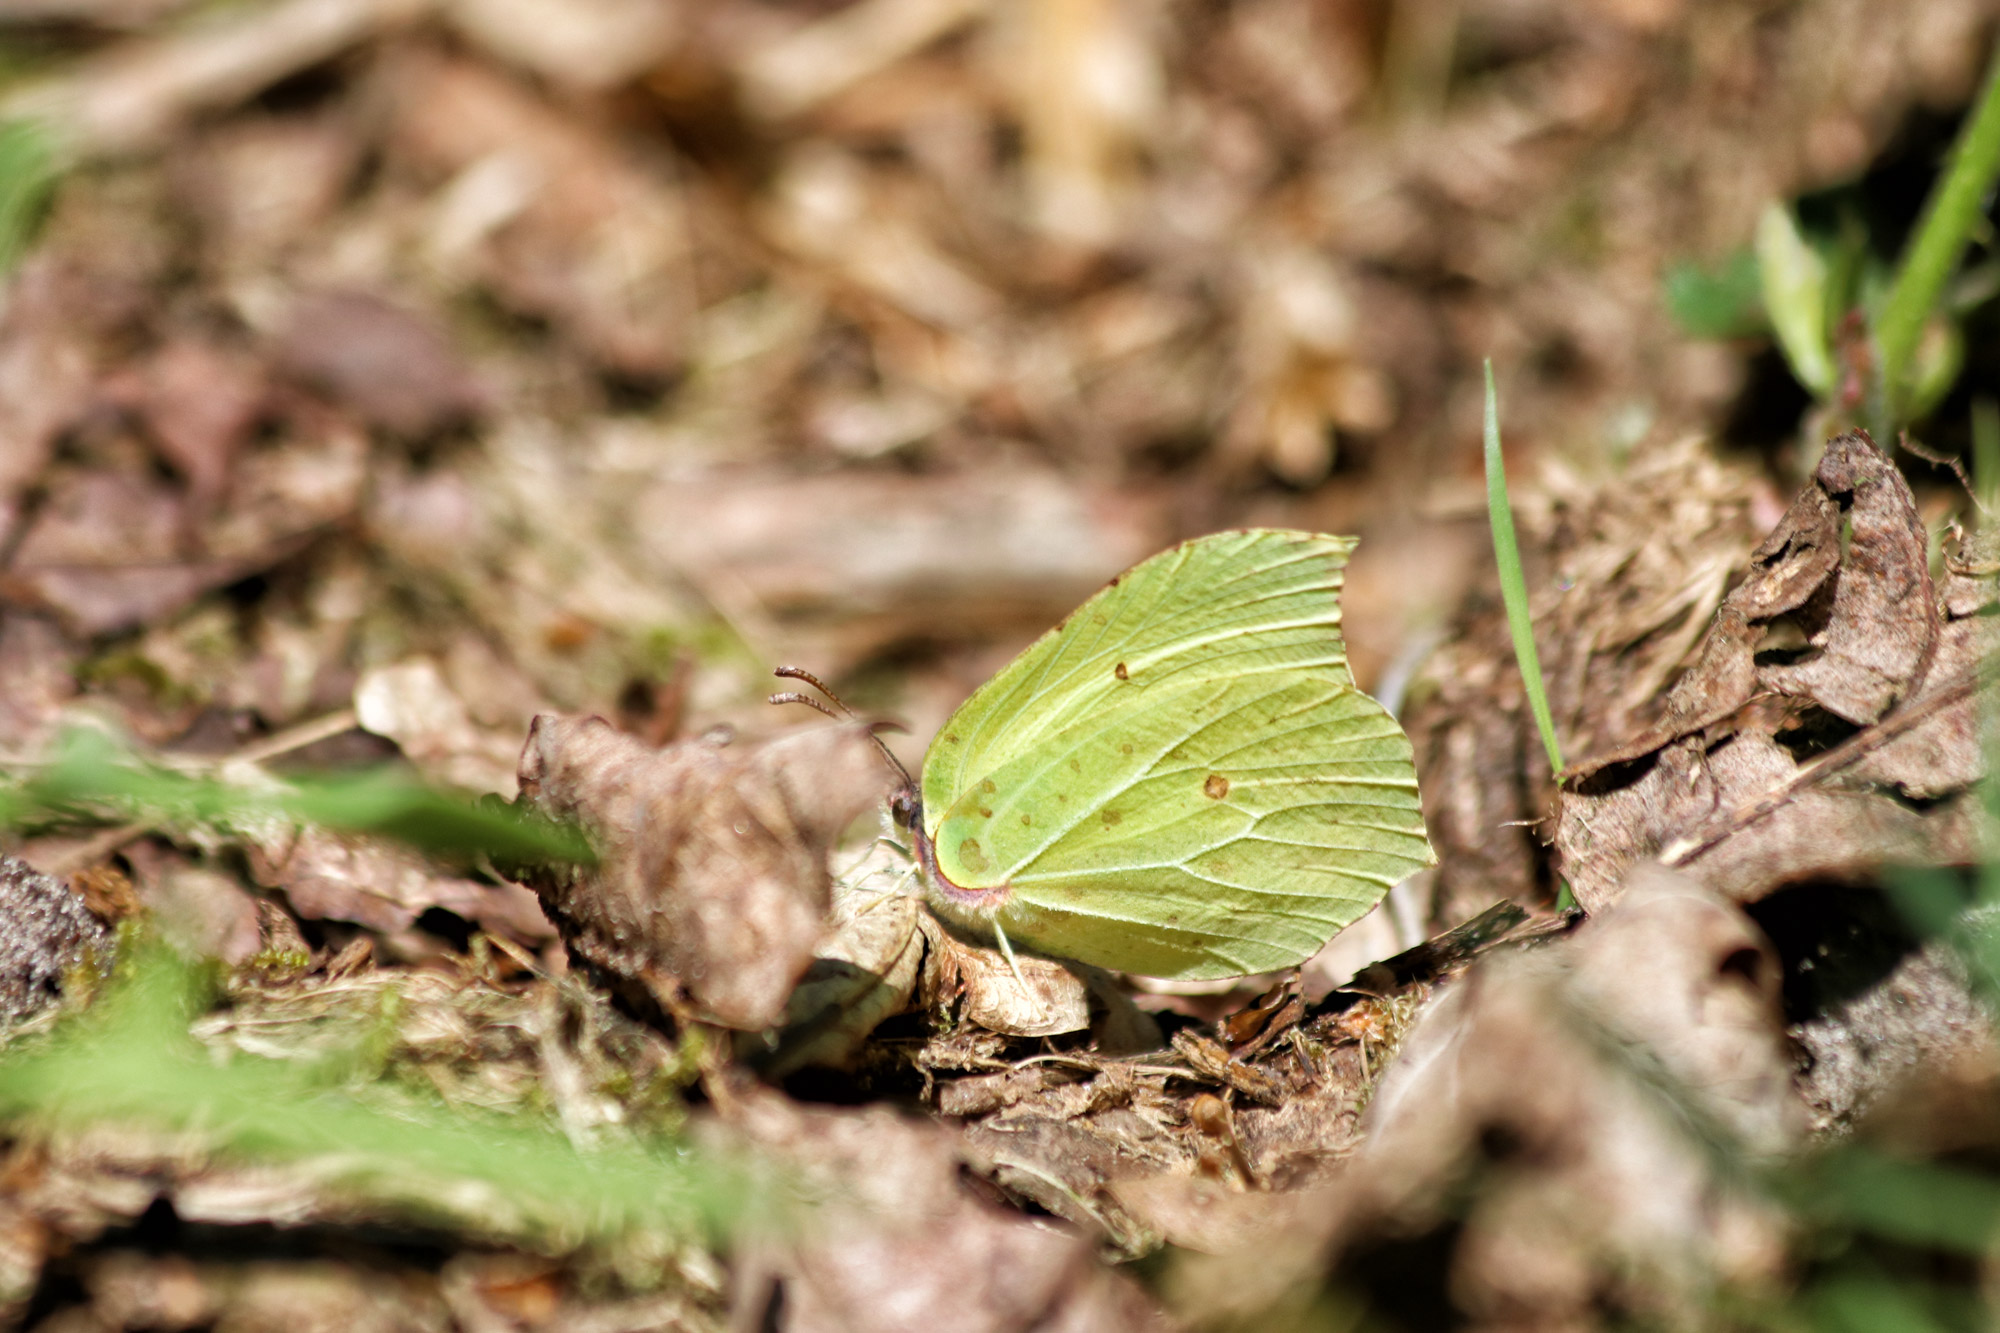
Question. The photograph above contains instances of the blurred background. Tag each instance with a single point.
(601, 354)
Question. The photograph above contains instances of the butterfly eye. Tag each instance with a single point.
(906, 807)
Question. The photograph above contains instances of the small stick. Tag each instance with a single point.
(296, 738)
(1936, 459)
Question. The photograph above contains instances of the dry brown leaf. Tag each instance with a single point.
(589, 45)
(385, 887)
(1657, 1027)
(198, 403)
(411, 704)
(385, 363)
(204, 913)
(259, 186)
(864, 970)
(554, 218)
(39, 666)
(1764, 768)
(1624, 576)
(902, 1245)
(845, 565)
(711, 880)
(46, 368)
(1031, 997)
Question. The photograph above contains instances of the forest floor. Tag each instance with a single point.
(378, 377)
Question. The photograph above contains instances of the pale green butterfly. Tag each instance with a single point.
(1180, 780)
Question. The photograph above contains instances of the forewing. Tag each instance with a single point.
(1252, 818)
(1231, 605)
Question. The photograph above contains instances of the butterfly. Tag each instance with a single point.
(1180, 780)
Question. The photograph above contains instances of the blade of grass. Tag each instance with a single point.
(91, 776)
(1950, 216)
(27, 178)
(1513, 585)
(128, 1060)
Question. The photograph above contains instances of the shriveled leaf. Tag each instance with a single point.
(904, 1247)
(710, 879)
(1835, 647)
(1033, 997)
(864, 969)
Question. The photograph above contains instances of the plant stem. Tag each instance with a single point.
(1950, 216)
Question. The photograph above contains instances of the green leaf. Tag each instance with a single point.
(1794, 280)
(1916, 1203)
(1722, 302)
(1856, 1304)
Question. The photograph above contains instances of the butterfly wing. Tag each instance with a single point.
(1181, 779)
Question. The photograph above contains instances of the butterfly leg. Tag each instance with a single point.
(1007, 952)
(893, 892)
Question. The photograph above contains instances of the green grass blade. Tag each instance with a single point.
(1513, 586)
(27, 178)
(129, 1061)
(1951, 215)
(91, 778)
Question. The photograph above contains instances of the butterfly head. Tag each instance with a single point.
(906, 807)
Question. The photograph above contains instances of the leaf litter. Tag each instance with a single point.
(388, 374)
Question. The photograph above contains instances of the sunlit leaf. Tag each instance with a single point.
(1793, 276)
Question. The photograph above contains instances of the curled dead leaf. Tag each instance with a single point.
(711, 883)
(1827, 724)
(864, 970)
(1041, 999)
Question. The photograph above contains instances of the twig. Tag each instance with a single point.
(97, 848)
(1936, 459)
(296, 738)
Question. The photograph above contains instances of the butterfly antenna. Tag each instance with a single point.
(794, 697)
(800, 673)
(875, 729)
